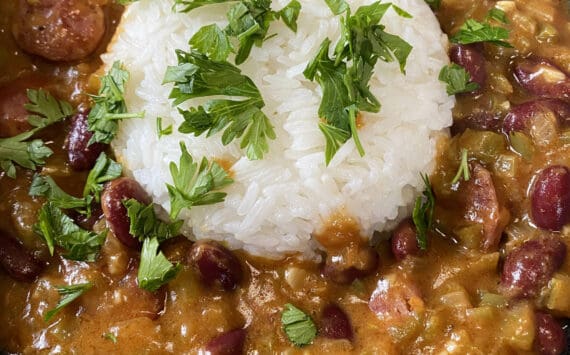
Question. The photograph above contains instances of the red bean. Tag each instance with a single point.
(550, 338)
(115, 212)
(529, 267)
(471, 58)
(404, 240)
(59, 30)
(80, 154)
(228, 343)
(550, 198)
(84, 221)
(478, 121)
(216, 264)
(16, 260)
(521, 117)
(343, 270)
(542, 78)
(335, 324)
(13, 97)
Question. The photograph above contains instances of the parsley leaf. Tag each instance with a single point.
(109, 105)
(162, 131)
(248, 24)
(473, 31)
(195, 185)
(46, 186)
(423, 213)
(69, 294)
(144, 224)
(56, 228)
(154, 270)
(104, 170)
(337, 6)
(298, 326)
(345, 77)
(28, 154)
(434, 4)
(198, 76)
(47, 110)
(463, 168)
(458, 80)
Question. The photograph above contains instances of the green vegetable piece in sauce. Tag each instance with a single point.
(422, 214)
(522, 144)
(69, 294)
(497, 15)
(154, 270)
(298, 326)
(434, 4)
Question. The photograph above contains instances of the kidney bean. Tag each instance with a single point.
(396, 300)
(470, 56)
(520, 117)
(228, 343)
(542, 78)
(59, 30)
(141, 303)
(115, 212)
(350, 263)
(335, 324)
(404, 240)
(80, 154)
(16, 260)
(216, 264)
(529, 267)
(550, 198)
(550, 338)
(479, 121)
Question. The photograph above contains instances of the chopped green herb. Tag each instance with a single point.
(423, 213)
(110, 106)
(27, 154)
(47, 187)
(497, 15)
(463, 168)
(473, 31)
(162, 131)
(298, 326)
(434, 4)
(47, 109)
(144, 223)
(69, 294)
(248, 24)
(189, 5)
(154, 270)
(457, 79)
(56, 228)
(198, 76)
(345, 77)
(195, 185)
(104, 170)
(337, 6)
(110, 336)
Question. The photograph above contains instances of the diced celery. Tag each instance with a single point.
(522, 144)
(457, 299)
(565, 137)
(470, 235)
(484, 263)
(484, 145)
(547, 33)
(481, 315)
(492, 300)
(518, 327)
(558, 298)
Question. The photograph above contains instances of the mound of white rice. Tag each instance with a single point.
(275, 204)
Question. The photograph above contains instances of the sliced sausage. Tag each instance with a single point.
(396, 300)
(59, 30)
(550, 338)
(470, 57)
(16, 260)
(550, 198)
(542, 78)
(80, 154)
(216, 264)
(529, 267)
(115, 212)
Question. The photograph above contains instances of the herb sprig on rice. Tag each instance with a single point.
(345, 77)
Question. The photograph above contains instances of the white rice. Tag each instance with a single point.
(275, 204)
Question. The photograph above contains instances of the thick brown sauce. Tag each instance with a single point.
(449, 277)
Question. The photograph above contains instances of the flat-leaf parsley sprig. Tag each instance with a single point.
(344, 77)
(239, 116)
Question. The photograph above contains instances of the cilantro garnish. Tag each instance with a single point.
(69, 294)
(198, 76)
(423, 213)
(29, 154)
(162, 131)
(458, 80)
(248, 24)
(463, 168)
(109, 105)
(298, 326)
(47, 187)
(473, 31)
(345, 77)
(144, 224)
(104, 170)
(154, 270)
(195, 185)
(58, 229)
